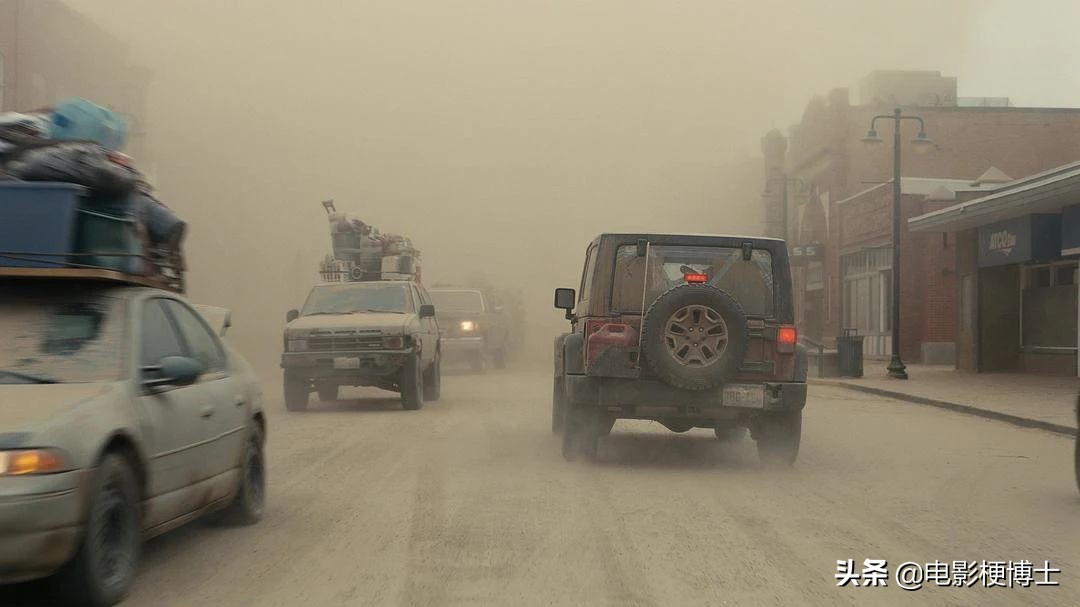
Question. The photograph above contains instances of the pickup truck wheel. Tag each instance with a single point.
(778, 438)
(433, 381)
(296, 393)
(694, 337)
(328, 392)
(412, 384)
(558, 406)
(103, 567)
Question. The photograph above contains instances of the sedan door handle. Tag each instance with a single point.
(207, 411)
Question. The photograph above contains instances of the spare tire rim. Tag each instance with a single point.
(696, 336)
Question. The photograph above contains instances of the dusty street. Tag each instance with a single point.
(469, 502)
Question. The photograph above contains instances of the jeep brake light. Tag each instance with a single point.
(696, 278)
(786, 336)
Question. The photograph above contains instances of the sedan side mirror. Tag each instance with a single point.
(226, 324)
(173, 371)
(565, 298)
(292, 315)
(427, 311)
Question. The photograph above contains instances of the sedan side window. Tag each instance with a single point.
(158, 337)
(202, 345)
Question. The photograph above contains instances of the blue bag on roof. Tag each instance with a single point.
(81, 120)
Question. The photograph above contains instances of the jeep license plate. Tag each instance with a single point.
(744, 396)
(343, 362)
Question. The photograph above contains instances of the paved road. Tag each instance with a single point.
(469, 502)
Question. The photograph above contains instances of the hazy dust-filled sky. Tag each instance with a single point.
(503, 135)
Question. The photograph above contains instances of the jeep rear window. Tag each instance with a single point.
(749, 282)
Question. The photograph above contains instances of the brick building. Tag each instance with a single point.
(823, 165)
(49, 51)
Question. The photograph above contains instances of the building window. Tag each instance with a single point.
(867, 280)
(1048, 306)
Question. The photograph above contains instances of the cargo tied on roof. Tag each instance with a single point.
(361, 252)
(72, 205)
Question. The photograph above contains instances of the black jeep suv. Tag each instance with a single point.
(689, 331)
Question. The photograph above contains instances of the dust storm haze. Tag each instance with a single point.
(500, 136)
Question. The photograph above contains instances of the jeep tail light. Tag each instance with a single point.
(786, 336)
(696, 278)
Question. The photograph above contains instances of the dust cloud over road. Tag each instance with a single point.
(500, 136)
(469, 502)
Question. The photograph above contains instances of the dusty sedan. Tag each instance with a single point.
(122, 415)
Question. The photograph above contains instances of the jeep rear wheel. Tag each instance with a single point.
(778, 436)
(694, 337)
(581, 434)
(558, 406)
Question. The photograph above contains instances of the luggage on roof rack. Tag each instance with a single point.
(361, 252)
(56, 230)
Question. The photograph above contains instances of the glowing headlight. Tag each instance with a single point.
(31, 461)
(297, 345)
(468, 325)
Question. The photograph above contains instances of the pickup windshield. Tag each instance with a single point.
(358, 297)
(59, 336)
(750, 282)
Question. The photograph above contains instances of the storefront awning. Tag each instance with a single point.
(1046, 192)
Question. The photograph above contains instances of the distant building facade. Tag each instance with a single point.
(49, 51)
(825, 192)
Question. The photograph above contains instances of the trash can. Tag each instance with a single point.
(849, 354)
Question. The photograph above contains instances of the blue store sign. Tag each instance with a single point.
(1070, 231)
(1020, 240)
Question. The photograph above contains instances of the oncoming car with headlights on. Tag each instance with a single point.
(473, 326)
(122, 416)
(380, 333)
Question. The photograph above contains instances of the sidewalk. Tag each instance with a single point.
(1033, 401)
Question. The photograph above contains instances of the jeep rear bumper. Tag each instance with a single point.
(651, 399)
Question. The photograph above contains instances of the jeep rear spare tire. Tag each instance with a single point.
(694, 337)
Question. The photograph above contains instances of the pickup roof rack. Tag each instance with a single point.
(362, 253)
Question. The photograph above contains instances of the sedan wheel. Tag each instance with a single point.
(102, 569)
(250, 499)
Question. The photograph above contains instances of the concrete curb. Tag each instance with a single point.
(1008, 418)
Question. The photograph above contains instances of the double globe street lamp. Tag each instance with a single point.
(896, 366)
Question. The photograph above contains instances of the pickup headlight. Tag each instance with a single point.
(32, 461)
(468, 326)
(394, 342)
(297, 345)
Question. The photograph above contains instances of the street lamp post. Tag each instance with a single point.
(896, 366)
